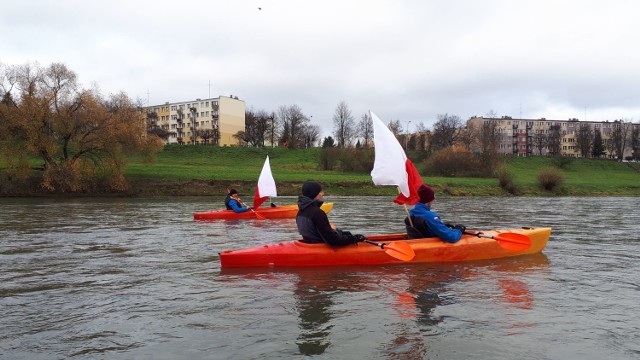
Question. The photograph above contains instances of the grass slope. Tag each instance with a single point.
(204, 170)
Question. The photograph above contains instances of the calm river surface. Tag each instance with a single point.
(139, 279)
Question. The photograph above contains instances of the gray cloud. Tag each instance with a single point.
(406, 60)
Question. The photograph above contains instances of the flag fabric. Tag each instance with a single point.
(391, 165)
(266, 185)
(414, 181)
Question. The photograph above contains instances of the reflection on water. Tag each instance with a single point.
(138, 278)
(407, 293)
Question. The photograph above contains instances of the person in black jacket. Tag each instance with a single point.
(313, 223)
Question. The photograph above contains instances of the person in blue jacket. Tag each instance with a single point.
(428, 223)
(233, 202)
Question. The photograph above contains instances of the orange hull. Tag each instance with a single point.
(296, 253)
(278, 212)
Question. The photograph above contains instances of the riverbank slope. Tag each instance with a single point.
(209, 171)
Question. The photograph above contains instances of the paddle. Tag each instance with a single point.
(397, 249)
(258, 216)
(509, 241)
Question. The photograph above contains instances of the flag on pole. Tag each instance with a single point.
(266, 185)
(391, 165)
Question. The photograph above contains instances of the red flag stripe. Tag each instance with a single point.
(257, 200)
(414, 181)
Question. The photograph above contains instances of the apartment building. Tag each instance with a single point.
(527, 137)
(211, 121)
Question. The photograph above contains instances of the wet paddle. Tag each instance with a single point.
(397, 249)
(509, 241)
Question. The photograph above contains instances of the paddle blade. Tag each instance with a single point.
(513, 241)
(400, 250)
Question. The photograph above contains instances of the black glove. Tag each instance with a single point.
(462, 228)
(273, 205)
(249, 208)
(359, 238)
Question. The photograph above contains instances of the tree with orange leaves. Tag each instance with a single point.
(80, 136)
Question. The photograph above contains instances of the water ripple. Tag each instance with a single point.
(138, 278)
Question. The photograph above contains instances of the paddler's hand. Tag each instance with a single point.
(359, 238)
(462, 228)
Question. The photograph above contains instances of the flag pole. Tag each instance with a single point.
(406, 209)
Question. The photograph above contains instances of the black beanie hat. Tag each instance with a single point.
(233, 191)
(311, 189)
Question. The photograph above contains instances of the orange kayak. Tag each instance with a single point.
(297, 253)
(278, 212)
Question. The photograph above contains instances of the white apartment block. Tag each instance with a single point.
(211, 121)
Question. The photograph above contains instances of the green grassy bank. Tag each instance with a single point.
(204, 170)
(198, 170)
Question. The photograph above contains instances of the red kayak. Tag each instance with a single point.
(278, 212)
(392, 249)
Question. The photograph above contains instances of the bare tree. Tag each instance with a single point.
(598, 146)
(152, 125)
(620, 136)
(365, 129)
(395, 127)
(446, 131)
(539, 140)
(422, 134)
(206, 134)
(257, 127)
(489, 137)
(292, 120)
(553, 140)
(343, 125)
(635, 141)
(466, 137)
(310, 135)
(241, 136)
(491, 114)
(584, 140)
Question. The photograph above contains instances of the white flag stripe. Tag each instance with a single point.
(389, 167)
(266, 184)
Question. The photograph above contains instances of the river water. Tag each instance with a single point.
(139, 279)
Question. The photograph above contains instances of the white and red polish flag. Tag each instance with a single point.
(266, 185)
(391, 165)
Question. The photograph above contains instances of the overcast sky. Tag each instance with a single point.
(403, 60)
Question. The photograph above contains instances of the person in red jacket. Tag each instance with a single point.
(313, 223)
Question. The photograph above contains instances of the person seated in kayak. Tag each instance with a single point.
(313, 223)
(233, 202)
(427, 223)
